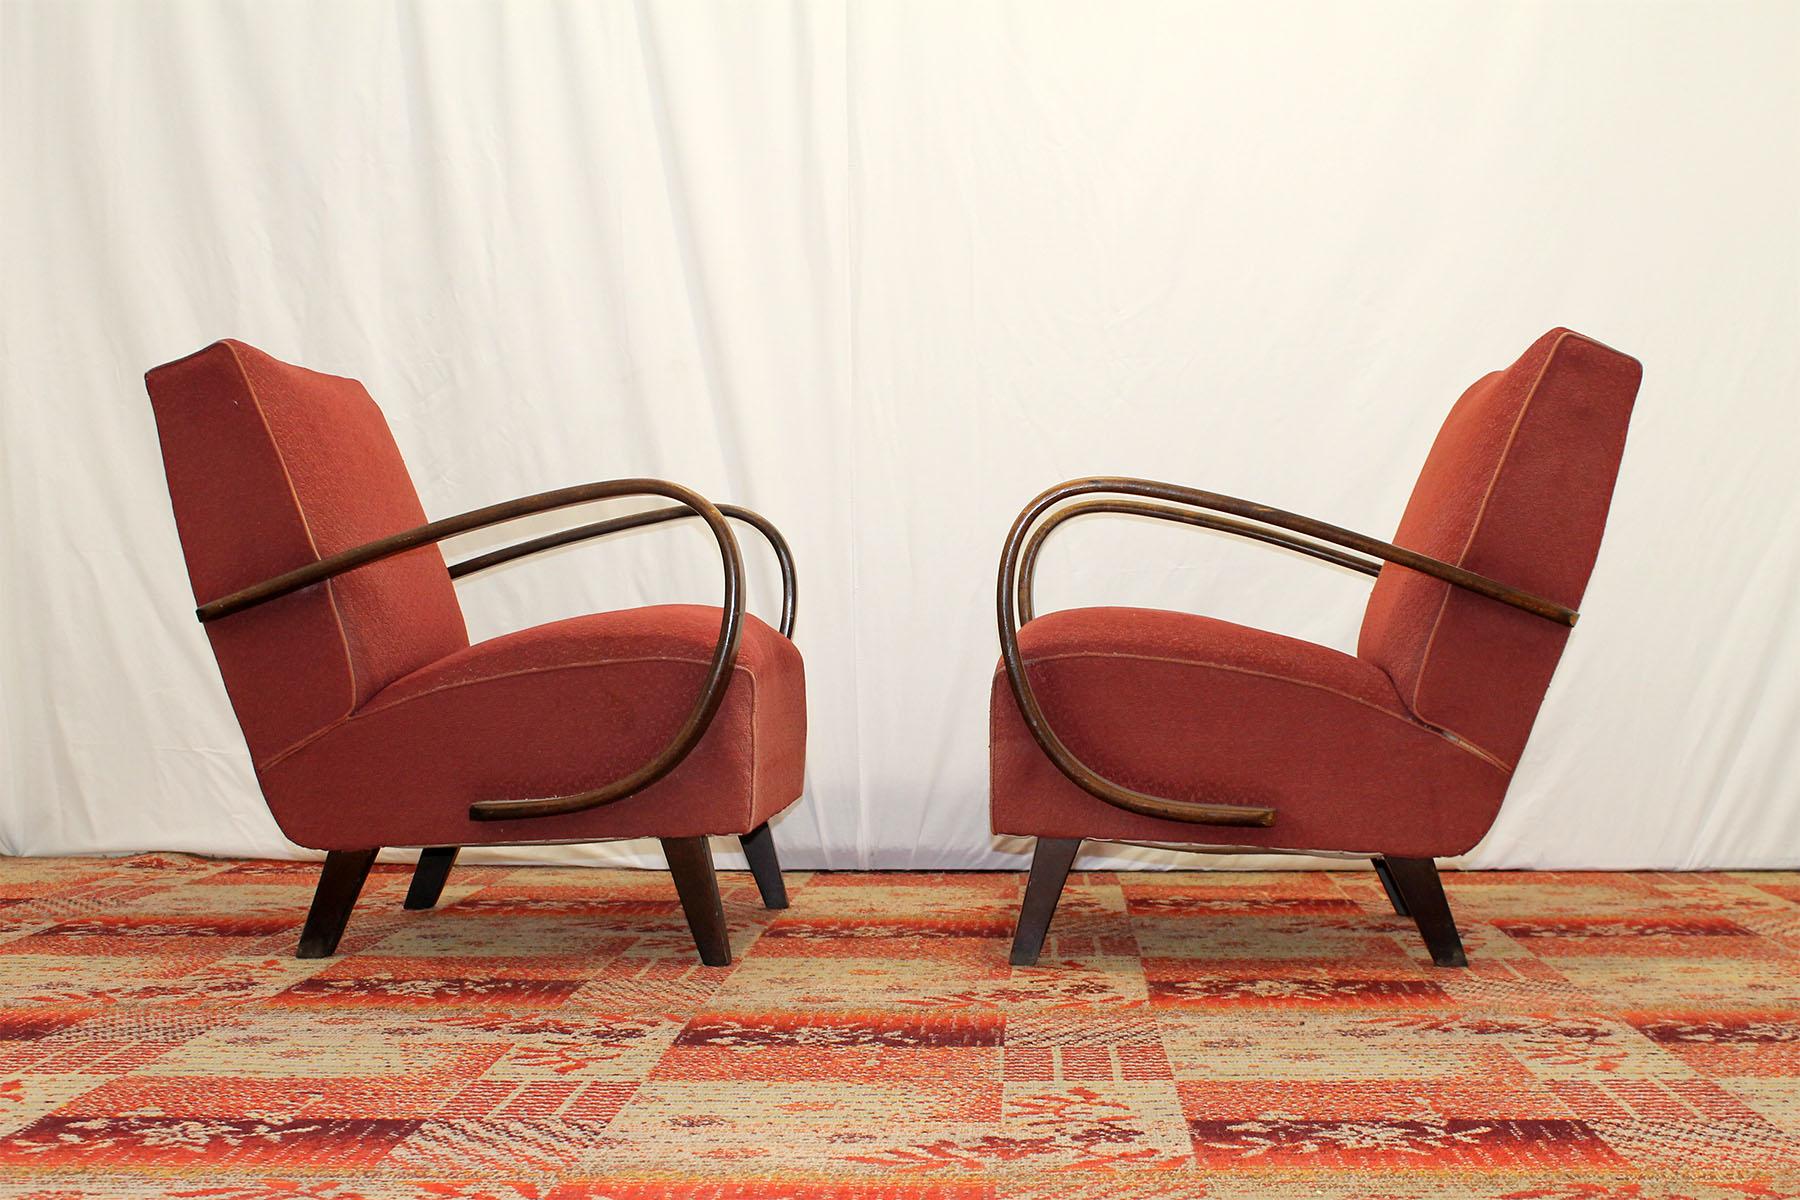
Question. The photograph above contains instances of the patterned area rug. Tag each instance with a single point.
(548, 1034)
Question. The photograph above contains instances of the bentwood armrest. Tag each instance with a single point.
(724, 655)
(783, 555)
(1165, 512)
(1018, 564)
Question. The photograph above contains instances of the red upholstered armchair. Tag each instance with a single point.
(1133, 725)
(373, 722)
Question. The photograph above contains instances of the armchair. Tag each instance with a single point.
(371, 719)
(1136, 725)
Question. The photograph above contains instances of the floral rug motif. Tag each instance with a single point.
(549, 1034)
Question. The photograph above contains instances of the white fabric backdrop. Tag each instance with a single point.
(883, 272)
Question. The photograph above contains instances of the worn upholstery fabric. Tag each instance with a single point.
(1405, 749)
(549, 711)
(1515, 488)
(1200, 709)
(270, 467)
(370, 718)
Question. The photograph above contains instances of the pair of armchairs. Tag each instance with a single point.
(372, 721)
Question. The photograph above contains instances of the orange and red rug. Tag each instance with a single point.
(547, 1034)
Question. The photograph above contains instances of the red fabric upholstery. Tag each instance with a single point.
(271, 467)
(370, 719)
(1405, 750)
(1194, 708)
(549, 711)
(1516, 488)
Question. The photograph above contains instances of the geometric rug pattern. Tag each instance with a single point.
(548, 1034)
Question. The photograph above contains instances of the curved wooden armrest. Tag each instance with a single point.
(581, 533)
(718, 677)
(1164, 512)
(1018, 562)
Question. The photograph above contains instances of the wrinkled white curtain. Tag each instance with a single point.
(883, 272)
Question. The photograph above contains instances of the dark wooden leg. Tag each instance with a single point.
(1388, 885)
(1050, 864)
(1423, 894)
(690, 861)
(339, 884)
(759, 848)
(429, 876)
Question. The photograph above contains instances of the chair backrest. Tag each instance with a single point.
(1516, 488)
(271, 467)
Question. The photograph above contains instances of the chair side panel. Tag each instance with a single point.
(285, 664)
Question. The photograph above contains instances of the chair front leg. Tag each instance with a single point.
(1050, 864)
(690, 862)
(1422, 894)
(1390, 887)
(340, 883)
(759, 848)
(430, 875)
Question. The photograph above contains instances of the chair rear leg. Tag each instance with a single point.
(1422, 892)
(690, 862)
(1050, 864)
(430, 875)
(1390, 887)
(759, 848)
(339, 884)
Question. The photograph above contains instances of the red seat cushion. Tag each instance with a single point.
(549, 711)
(1194, 708)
